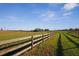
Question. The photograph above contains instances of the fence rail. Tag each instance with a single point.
(20, 45)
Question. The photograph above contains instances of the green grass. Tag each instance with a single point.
(5, 35)
(75, 33)
(67, 46)
(75, 42)
(46, 48)
(59, 44)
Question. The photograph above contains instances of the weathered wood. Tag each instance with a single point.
(42, 37)
(33, 42)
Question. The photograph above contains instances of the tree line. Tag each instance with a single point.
(38, 29)
(35, 30)
(71, 29)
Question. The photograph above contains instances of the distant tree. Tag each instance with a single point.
(70, 29)
(1, 29)
(46, 30)
(38, 29)
(76, 29)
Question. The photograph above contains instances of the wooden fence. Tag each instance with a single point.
(18, 46)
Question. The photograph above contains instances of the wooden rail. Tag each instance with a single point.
(20, 45)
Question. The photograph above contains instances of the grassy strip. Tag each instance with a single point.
(73, 35)
(68, 47)
(72, 49)
(46, 48)
(74, 39)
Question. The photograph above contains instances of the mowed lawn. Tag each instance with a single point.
(5, 35)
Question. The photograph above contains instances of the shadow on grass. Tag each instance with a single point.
(73, 35)
(77, 45)
(70, 48)
(59, 51)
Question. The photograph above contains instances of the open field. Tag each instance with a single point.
(39, 29)
(62, 43)
(19, 46)
(5, 35)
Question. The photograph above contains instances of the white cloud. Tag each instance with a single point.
(48, 15)
(70, 6)
(12, 17)
(67, 13)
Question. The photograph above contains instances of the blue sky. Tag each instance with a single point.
(29, 16)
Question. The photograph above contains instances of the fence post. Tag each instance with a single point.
(43, 37)
(51, 34)
(48, 35)
(31, 42)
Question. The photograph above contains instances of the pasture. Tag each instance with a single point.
(60, 43)
(5, 35)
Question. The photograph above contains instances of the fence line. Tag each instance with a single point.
(19, 46)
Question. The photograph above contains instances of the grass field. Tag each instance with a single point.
(5, 35)
(62, 43)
